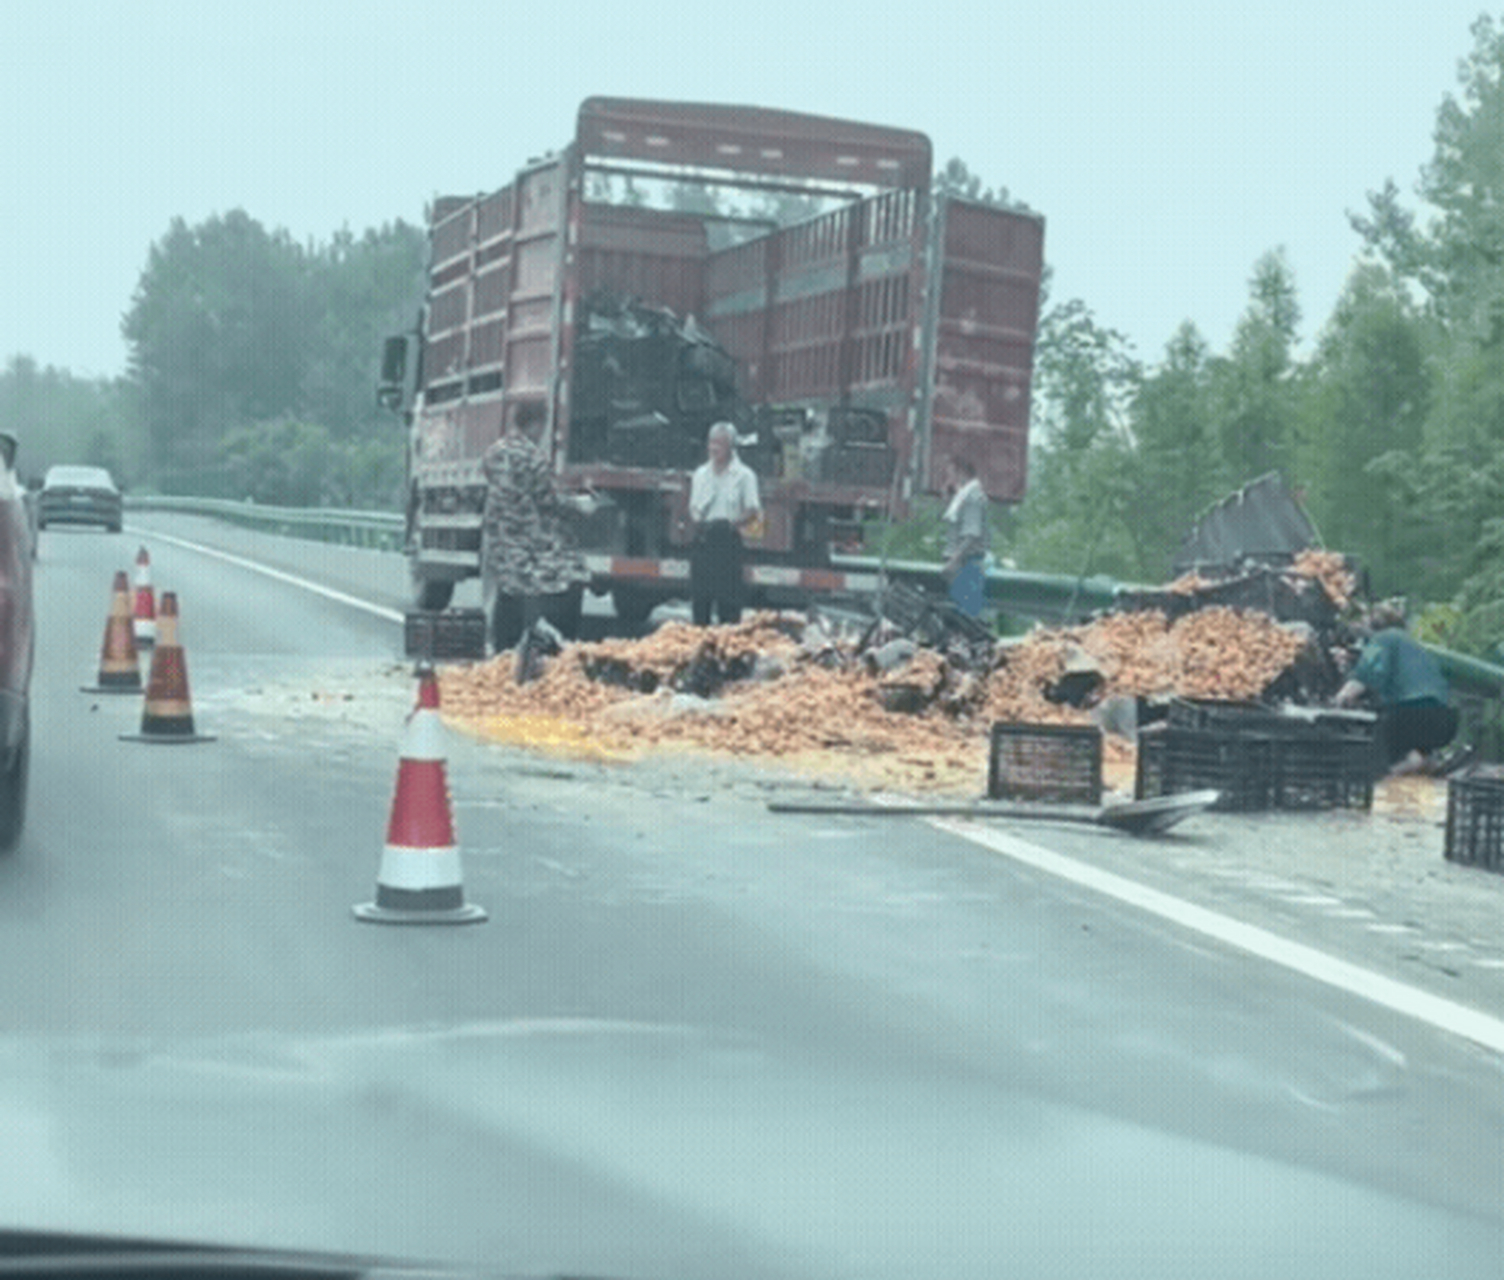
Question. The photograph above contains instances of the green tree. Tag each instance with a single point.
(1452, 483)
(1256, 384)
(957, 179)
(361, 290)
(232, 328)
(1078, 515)
(286, 463)
(1370, 397)
(218, 330)
(59, 417)
(1465, 182)
(1177, 468)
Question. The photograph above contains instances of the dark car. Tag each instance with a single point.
(79, 495)
(15, 646)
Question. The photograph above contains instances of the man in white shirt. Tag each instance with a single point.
(723, 501)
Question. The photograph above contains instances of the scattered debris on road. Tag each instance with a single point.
(792, 687)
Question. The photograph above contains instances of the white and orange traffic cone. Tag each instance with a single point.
(119, 665)
(144, 618)
(167, 716)
(419, 881)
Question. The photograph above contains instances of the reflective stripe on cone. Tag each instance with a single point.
(144, 614)
(420, 881)
(119, 665)
(167, 716)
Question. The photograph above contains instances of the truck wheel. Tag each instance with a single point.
(433, 594)
(13, 793)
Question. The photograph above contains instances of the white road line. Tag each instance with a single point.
(1412, 1002)
(329, 593)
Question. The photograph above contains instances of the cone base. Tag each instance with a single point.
(168, 739)
(373, 914)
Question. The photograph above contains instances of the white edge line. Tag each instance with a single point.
(329, 593)
(1410, 1001)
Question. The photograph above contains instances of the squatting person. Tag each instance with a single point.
(1415, 717)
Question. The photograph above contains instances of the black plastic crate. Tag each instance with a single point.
(904, 606)
(868, 465)
(450, 636)
(1257, 717)
(1325, 771)
(1240, 766)
(1301, 766)
(1475, 818)
(1231, 717)
(1045, 762)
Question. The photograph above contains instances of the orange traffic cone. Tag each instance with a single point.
(119, 666)
(145, 616)
(167, 716)
(419, 880)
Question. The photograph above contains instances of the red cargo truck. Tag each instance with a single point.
(678, 264)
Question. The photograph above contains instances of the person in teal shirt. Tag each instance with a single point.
(1416, 719)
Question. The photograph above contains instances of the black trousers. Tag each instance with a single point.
(1409, 727)
(512, 615)
(715, 574)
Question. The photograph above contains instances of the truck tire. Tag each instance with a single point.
(433, 594)
(13, 792)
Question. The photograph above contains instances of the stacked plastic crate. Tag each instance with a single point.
(1259, 757)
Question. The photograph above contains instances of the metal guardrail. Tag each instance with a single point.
(1035, 595)
(1045, 596)
(381, 530)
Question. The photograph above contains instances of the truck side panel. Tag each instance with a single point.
(824, 307)
(987, 309)
(643, 253)
(824, 313)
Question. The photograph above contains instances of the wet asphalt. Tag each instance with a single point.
(836, 1005)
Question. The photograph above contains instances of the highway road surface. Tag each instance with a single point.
(691, 1039)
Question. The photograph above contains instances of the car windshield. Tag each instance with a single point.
(883, 659)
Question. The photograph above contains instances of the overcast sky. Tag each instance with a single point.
(1167, 145)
